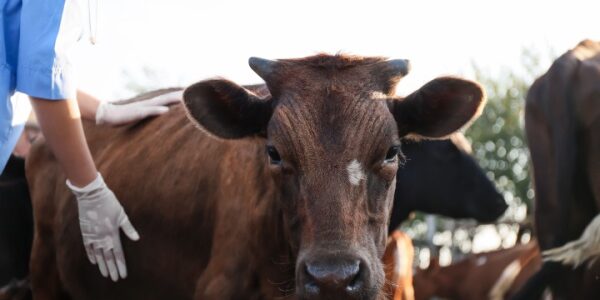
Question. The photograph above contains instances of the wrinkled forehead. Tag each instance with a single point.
(333, 121)
(344, 75)
(332, 102)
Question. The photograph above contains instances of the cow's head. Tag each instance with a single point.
(465, 192)
(332, 128)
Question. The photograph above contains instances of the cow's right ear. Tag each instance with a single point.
(226, 109)
(439, 108)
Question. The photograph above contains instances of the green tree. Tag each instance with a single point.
(498, 136)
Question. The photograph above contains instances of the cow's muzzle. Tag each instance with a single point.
(332, 277)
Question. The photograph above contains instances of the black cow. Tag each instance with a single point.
(464, 192)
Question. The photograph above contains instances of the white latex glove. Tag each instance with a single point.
(115, 114)
(100, 217)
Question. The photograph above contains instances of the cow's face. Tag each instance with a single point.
(465, 192)
(332, 128)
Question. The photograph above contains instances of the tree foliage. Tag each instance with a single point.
(498, 136)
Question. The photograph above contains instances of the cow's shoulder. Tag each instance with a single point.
(586, 89)
(571, 77)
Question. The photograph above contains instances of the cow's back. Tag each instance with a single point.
(169, 177)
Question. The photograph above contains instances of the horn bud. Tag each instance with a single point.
(398, 67)
(390, 72)
(263, 67)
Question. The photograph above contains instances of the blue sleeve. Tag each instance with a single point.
(49, 28)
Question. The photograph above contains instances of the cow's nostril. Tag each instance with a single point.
(355, 284)
(340, 276)
(312, 288)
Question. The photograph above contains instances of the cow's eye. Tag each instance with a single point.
(392, 154)
(274, 156)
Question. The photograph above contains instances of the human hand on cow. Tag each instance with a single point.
(100, 218)
(119, 114)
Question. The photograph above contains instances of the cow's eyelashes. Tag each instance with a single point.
(274, 156)
(392, 154)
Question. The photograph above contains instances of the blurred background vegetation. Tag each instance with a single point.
(498, 136)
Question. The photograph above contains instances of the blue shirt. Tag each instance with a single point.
(35, 39)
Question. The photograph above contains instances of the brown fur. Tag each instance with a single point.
(217, 219)
(474, 277)
(176, 235)
(530, 264)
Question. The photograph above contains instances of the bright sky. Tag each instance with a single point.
(188, 40)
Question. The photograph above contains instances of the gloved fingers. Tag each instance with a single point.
(101, 262)
(120, 259)
(90, 254)
(164, 99)
(128, 229)
(123, 114)
(111, 264)
(150, 111)
(102, 114)
(119, 114)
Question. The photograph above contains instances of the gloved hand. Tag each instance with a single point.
(115, 114)
(100, 217)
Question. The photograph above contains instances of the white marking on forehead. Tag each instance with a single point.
(481, 261)
(355, 172)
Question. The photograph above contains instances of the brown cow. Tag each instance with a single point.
(562, 120)
(489, 275)
(292, 197)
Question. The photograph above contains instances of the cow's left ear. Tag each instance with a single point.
(439, 108)
(226, 109)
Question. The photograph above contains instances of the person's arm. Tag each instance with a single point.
(61, 125)
(100, 213)
(48, 29)
(88, 105)
(103, 112)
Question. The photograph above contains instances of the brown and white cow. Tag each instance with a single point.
(494, 275)
(292, 191)
(562, 120)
